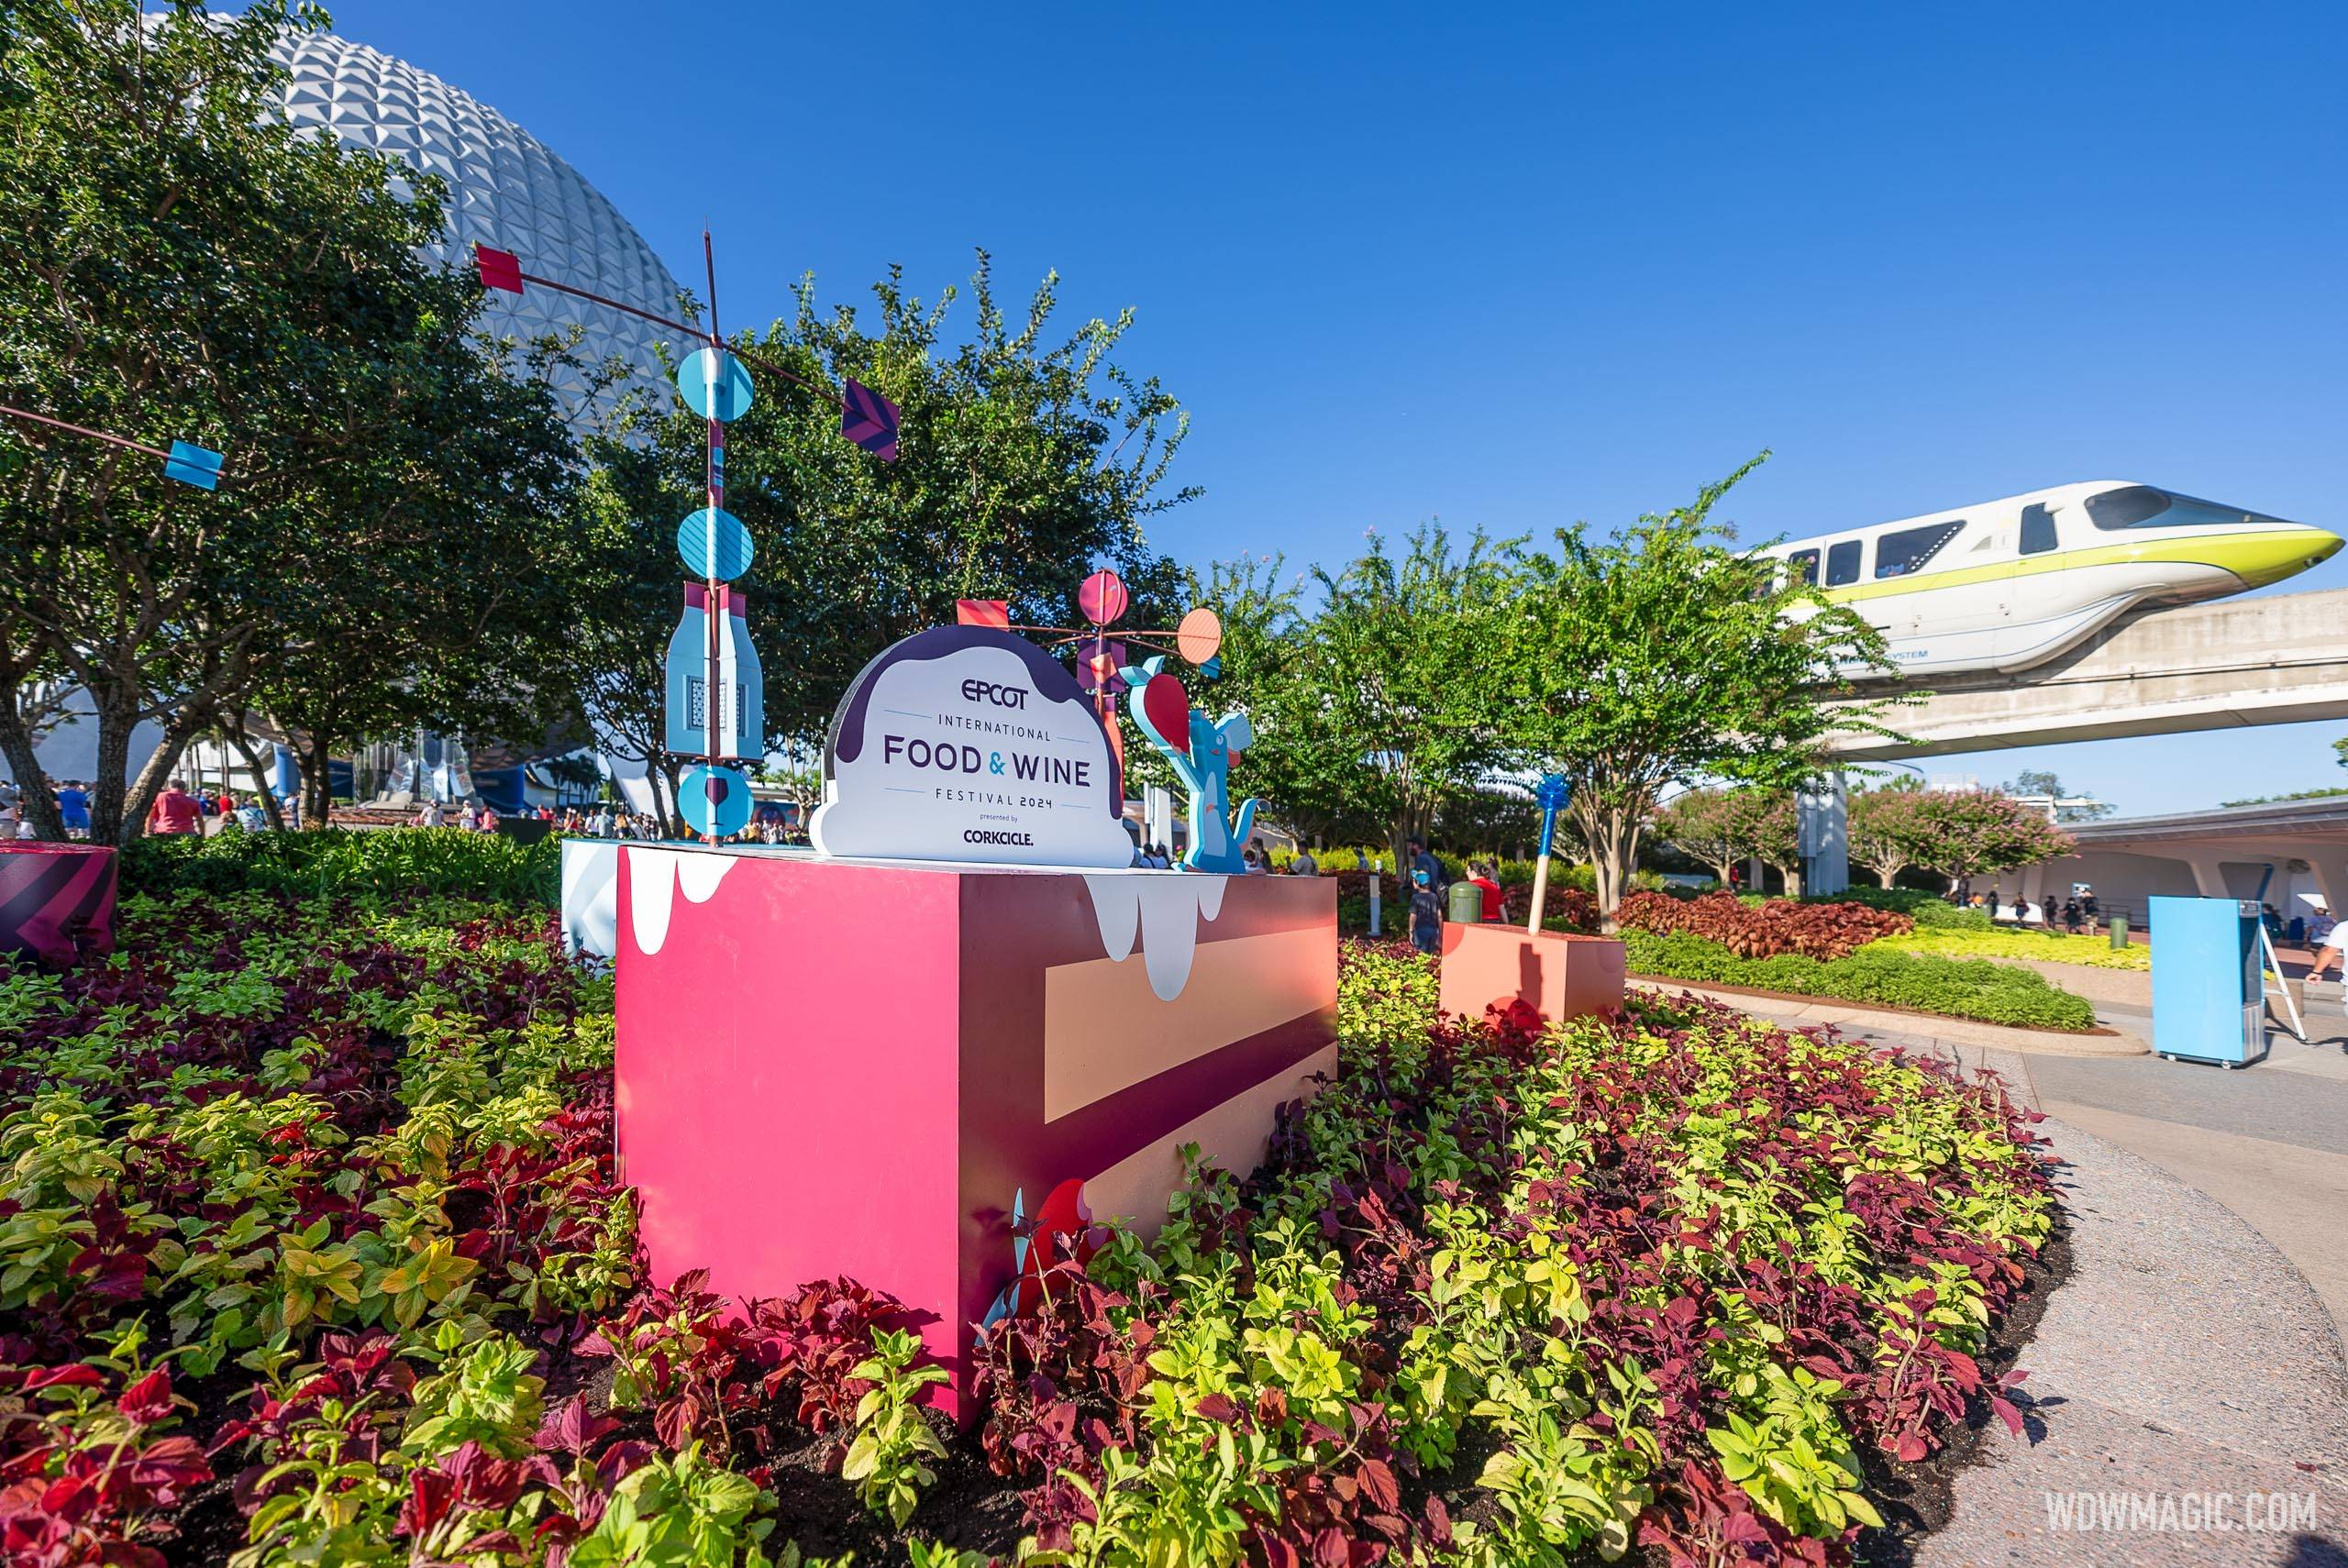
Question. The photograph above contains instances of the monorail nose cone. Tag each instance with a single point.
(2261, 558)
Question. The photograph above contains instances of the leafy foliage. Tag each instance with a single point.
(2040, 946)
(1663, 654)
(335, 863)
(185, 263)
(1995, 993)
(1498, 1295)
(1364, 698)
(1964, 834)
(1765, 929)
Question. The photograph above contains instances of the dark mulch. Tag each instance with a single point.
(1916, 1499)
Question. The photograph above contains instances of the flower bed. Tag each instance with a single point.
(311, 1249)
(2044, 948)
(1958, 987)
(1764, 929)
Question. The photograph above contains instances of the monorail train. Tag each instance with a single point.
(2011, 583)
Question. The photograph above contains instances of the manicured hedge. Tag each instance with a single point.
(350, 863)
(1994, 993)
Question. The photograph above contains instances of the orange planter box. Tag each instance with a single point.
(1563, 976)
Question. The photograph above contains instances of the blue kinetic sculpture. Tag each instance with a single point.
(1201, 750)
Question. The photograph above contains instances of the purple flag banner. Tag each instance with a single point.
(869, 420)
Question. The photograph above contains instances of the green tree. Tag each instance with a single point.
(1025, 460)
(1774, 819)
(1890, 828)
(184, 264)
(1713, 825)
(1367, 707)
(1662, 655)
(1965, 834)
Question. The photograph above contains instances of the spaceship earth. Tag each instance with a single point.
(505, 189)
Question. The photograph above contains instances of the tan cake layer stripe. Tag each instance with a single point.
(1234, 1133)
(1105, 1029)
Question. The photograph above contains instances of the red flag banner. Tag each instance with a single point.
(982, 612)
(498, 268)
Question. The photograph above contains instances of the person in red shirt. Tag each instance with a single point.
(1485, 883)
(176, 812)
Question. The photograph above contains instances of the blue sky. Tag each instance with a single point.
(1511, 267)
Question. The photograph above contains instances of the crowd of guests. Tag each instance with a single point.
(72, 799)
(2077, 915)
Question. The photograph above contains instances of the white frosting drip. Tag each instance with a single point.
(654, 876)
(1165, 911)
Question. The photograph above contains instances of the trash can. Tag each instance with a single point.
(1467, 902)
(2117, 926)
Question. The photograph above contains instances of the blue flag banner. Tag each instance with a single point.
(190, 464)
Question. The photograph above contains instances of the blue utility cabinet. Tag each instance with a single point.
(2208, 994)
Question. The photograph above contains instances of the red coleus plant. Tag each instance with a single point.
(1766, 930)
(736, 1378)
(87, 1480)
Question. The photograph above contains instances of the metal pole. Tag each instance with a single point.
(1377, 875)
(716, 489)
(2282, 981)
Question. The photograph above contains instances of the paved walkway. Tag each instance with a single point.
(2185, 1364)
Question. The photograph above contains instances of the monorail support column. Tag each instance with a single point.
(1824, 814)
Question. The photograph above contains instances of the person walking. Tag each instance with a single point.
(1426, 912)
(2335, 934)
(1303, 865)
(176, 812)
(1418, 859)
(73, 809)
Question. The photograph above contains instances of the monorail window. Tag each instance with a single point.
(1900, 554)
(2142, 506)
(1842, 562)
(2037, 530)
(1804, 568)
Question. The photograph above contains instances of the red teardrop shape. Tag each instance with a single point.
(1169, 707)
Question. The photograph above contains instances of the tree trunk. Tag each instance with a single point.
(317, 792)
(1885, 877)
(670, 815)
(32, 784)
(107, 822)
(160, 770)
(262, 781)
(1613, 839)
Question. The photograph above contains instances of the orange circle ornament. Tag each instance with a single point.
(1200, 636)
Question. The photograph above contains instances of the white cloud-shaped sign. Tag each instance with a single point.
(968, 743)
